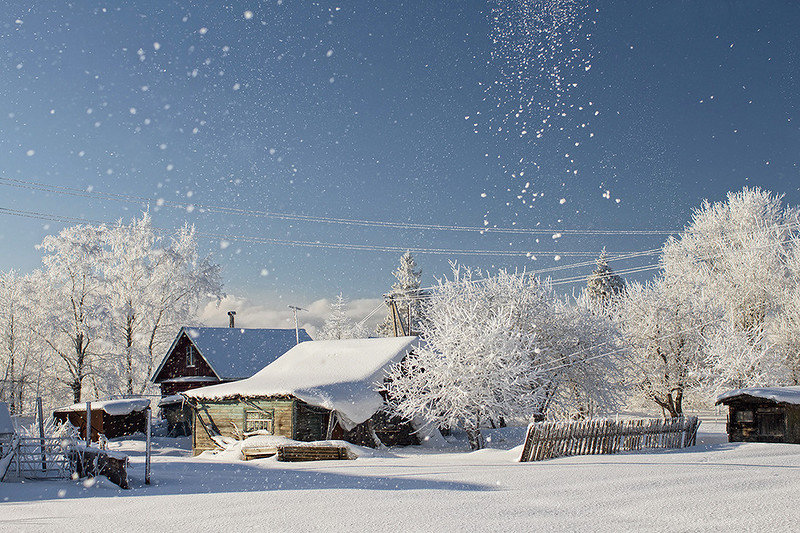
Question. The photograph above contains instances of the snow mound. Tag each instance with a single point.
(235, 450)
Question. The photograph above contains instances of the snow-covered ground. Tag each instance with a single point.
(712, 486)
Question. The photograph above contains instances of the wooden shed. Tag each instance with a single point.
(318, 390)
(763, 414)
(111, 418)
(201, 356)
(6, 430)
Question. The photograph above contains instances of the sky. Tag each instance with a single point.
(264, 124)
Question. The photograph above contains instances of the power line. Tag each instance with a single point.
(84, 193)
(316, 244)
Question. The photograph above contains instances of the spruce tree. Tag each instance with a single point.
(405, 293)
(602, 284)
(338, 325)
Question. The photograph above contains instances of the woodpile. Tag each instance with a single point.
(313, 453)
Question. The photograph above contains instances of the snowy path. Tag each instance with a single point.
(713, 486)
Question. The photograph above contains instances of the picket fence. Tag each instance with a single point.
(545, 440)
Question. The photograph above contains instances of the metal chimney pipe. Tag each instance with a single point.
(231, 314)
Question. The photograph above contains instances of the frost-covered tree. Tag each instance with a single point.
(71, 296)
(740, 254)
(586, 347)
(663, 323)
(602, 284)
(738, 251)
(493, 348)
(151, 282)
(339, 325)
(735, 359)
(406, 295)
(20, 353)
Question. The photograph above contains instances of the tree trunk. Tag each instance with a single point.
(474, 437)
(129, 353)
(76, 390)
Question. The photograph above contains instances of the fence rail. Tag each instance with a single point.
(545, 440)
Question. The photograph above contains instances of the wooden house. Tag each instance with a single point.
(111, 418)
(205, 356)
(318, 390)
(763, 414)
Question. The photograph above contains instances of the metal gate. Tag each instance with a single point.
(37, 458)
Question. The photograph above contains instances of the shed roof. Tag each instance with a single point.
(236, 353)
(790, 395)
(6, 425)
(340, 375)
(111, 407)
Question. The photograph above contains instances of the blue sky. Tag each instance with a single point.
(367, 110)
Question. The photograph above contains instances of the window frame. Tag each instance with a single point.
(264, 417)
(191, 356)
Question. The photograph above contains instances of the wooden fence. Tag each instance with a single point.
(546, 440)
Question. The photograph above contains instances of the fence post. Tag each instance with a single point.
(41, 431)
(147, 449)
(88, 424)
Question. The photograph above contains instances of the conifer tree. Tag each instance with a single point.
(603, 283)
(338, 325)
(405, 293)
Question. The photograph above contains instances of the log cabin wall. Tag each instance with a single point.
(229, 418)
(763, 421)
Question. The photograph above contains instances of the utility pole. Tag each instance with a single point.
(295, 309)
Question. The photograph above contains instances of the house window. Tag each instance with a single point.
(744, 416)
(190, 355)
(259, 421)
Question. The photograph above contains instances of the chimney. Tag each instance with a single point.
(231, 314)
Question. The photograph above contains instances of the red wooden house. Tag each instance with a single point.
(205, 356)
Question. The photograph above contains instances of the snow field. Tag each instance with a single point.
(713, 486)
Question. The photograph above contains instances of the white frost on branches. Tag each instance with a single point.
(339, 325)
(493, 348)
(406, 293)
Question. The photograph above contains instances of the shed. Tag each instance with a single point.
(201, 356)
(111, 418)
(6, 430)
(763, 414)
(318, 390)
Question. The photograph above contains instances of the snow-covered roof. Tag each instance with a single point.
(6, 425)
(340, 375)
(236, 353)
(776, 394)
(110, 407)
(171, 400)
(191, 379)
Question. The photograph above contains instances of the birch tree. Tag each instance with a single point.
(152, 283)
(72, 299)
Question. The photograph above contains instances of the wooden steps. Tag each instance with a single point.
(259, 453)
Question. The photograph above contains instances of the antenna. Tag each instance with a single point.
(295, 309)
